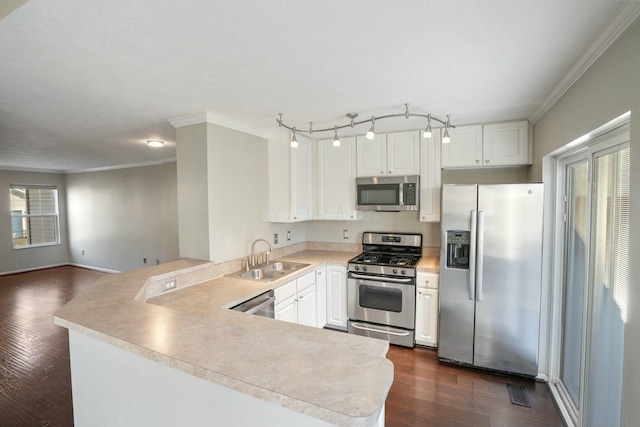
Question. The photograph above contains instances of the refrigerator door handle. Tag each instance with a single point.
(480, 256)
(472, 255)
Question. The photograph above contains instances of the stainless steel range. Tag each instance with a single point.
(381, 287)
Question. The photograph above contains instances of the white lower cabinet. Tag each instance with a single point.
(296, 301)
(321, 296)
(427, 309)
(337, 296)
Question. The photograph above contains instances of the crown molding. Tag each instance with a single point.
(626, 16)
(215, 119)
(128, 166)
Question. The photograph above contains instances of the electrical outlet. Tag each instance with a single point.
(345, 234)
(144, 260)
(171, 284)
(275, 238)
(83, 252)
(157, 261)
(288, 236)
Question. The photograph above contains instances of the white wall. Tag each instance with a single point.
(13, 260)
(608, 89)
(239, 196)
(121, 216)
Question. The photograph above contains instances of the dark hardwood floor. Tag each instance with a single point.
(35, 381)
(428, 393)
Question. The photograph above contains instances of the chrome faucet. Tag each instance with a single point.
(253, 259)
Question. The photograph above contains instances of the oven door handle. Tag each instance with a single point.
(383, 331)
(381, 279)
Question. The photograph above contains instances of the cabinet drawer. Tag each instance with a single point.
(285, 291)
(428, 280)
(307, 280)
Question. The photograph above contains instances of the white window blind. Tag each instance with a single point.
(34, 215)
(609, 288)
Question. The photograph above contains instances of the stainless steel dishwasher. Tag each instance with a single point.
(261, 305)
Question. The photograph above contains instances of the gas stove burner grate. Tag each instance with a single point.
(402, 260)
(369, 258)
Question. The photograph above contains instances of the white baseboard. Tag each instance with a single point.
(44, 267)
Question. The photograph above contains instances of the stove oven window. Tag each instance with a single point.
(376, 297)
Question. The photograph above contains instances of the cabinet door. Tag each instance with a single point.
(430, 178)
(287, 310)
(308, 307)
(506, 144)
(403, 153)
(427, 317)
(290, 179)
(371, 156)
(465, 148)
(337, 180)
(301, 194)
(321, 296)
(337, 296)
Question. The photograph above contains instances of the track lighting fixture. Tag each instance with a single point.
(371, 133)
(336, 140)
(427, 133)
(445, 137)
(294, 140)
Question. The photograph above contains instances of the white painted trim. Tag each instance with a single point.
(133, 165)
(26, 270)
(626, 16)
(215, 119)
(90, 267)
(45, 267)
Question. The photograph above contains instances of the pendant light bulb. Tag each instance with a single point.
(427, 131)
(372, 132)
(294, 140)
(446, 138)
(336, 140)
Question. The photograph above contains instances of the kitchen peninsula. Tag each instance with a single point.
(143, 357)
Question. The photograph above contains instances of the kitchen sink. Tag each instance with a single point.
(270, 272)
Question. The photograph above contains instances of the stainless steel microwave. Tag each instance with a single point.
(388, 193)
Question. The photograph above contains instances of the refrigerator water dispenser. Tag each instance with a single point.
(458, 244)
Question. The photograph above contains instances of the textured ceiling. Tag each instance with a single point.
(84, 83)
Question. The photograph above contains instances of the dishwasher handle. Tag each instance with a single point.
(256, 304)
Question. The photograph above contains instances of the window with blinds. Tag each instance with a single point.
(34, 216)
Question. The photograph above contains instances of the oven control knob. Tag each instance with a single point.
(364, 268)
(395, 271)
(404, 272)
(356, 268)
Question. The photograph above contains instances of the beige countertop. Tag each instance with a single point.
(340, 378)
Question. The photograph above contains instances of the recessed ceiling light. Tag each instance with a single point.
(155, 143)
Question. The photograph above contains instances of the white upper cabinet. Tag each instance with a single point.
(430, 178)
(393, 154)
(337, 180)
(506, 144)
(491, 145)
(403, 153)
(465, 148)
(290, 179)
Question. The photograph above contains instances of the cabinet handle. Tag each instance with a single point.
(420, 292)
(390, 172)
(486, 161)
(381, 172)
(477, 161)
(426, 281)
(319, 273)
(301, 297)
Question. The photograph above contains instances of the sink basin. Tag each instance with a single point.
(270, 272)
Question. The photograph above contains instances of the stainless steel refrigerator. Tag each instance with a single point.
(490, 276)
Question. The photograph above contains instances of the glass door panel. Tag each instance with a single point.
(610, 237)
(577, 217)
